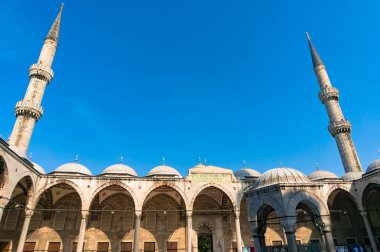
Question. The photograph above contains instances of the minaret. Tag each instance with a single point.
(29, 110)
(338, 127)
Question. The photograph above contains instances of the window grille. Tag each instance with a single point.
(12, 218)
(60, 218)
(35, 221)
(150, 220)
(172, 219)
(106, 219)
(129, 216)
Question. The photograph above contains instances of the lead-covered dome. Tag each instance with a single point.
(281, 175)
(164, 171)
(350, 176)
(119, 169)
(247, 173)
(375, 165)
(321, 175)
(38, 168)
(73, 168)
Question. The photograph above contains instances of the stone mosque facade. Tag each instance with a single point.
(209, 209)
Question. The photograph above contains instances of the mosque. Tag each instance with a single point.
(210, 209)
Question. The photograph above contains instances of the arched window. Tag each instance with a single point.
(106, 219)
(129, 216)
(12, 217)
(150, 220)
(172, 218)
(60, 218)
(35, 221)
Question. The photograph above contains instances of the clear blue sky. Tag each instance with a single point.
(221, 80)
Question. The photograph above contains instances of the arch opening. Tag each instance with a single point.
(346, 222)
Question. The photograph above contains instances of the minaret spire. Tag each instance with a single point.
(29, 110)
(54, 30)
(314, 54)
(338, 127)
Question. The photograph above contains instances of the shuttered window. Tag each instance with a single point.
(102, 247)
(29, 246)
(126, 247)
(172, 246)
(54, 247)
(149, 246)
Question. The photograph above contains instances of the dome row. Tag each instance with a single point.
(272, 176)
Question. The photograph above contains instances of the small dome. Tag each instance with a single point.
(321, 175)
(247, 173)
(164, 171)
(375, 165)
(281, 175)
(38, 168)
(350, 176)
(73, 168)
(119, 169)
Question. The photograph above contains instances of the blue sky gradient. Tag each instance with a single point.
(226, 81)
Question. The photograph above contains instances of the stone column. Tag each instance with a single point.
(289, 225)
(189, 230)
(82, 230)
(257, 237)
(327, 236)
(137, 231)
(3, 204)
(238, 231)
(24, 231)
(371, 238)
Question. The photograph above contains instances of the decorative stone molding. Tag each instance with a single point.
(30, 109)
(328, 93)
(41, 72)
(343, 126)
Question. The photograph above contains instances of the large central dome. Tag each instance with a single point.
(281, 175)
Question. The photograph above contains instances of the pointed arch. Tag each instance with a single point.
(316, 206)
(172, 186)
(114, 183)
(208, 185)
(74, 186)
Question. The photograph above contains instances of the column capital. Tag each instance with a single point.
(3, 202)
(85, 214)
(363, 213)
(138, 214)
(189, 213)
(288, 223)
(237, 213)
(28, 212)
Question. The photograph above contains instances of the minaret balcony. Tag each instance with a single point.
(29, 108)
(328, 93)
(342, 126)
(42, 72)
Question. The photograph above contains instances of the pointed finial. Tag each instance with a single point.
(76, 158)
(281, 165)
(314, 55)
(54, 30)
(244, 164)
(317, 165)
(31, 155)
(205, 161)
(163, 161)
(121, 160)
(307, 36)
(199, 160)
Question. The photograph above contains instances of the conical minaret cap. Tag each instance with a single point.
(314, 54)
(54, 30)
